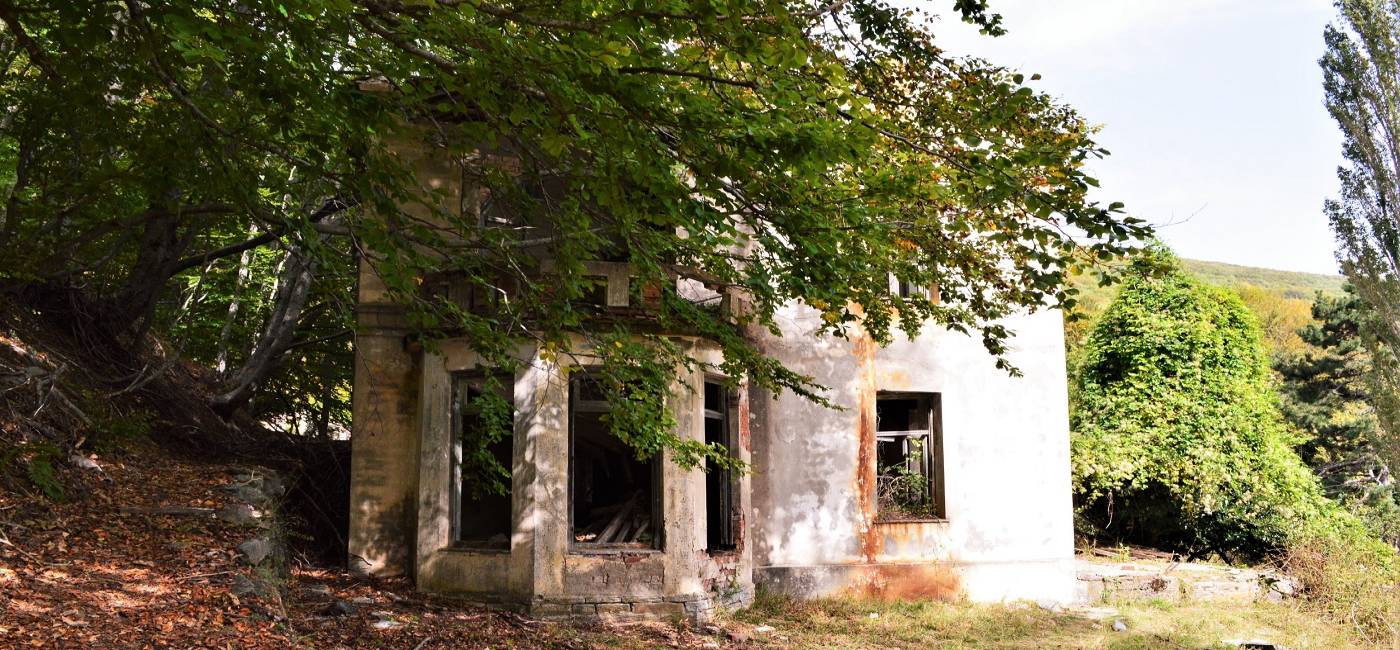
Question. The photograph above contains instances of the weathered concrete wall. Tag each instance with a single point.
(385, 407)
(541, 572)
(384, 441)
(807, 511)
(1008, 532)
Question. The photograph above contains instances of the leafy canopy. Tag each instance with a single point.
(776, 151)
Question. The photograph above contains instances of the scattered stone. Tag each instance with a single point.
(256, 550)
(256, 488)
(317, 591)
(243, 586)
(272, 485)
(709, 645)
(1119, 625)
(738, 635)
(1051, 606)
(1277, 586)
(83, 462)
(1254, 644)
(385, 624)
(239, 514)
(339, 608)
(874, 615)
(360, 566)
(710, 629)
(763, 629)
(362, 600)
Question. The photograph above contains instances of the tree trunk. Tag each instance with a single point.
(161, 249)
(293, 290)
(245, 270)
(9, 220)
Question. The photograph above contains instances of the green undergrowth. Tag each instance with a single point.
(861, 623)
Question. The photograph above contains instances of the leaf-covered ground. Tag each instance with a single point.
(104, 569)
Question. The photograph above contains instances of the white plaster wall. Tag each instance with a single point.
(1009, 529)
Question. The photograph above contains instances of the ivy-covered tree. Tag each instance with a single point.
(779, 150)
(1178, 441)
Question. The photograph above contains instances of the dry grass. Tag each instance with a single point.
(1354, 584)
(847, 623)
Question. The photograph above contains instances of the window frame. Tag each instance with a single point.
(727, 416)
(455, 478)
(658, 544)
(932, 460)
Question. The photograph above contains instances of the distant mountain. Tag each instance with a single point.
(1282, 300)
(1291, 284)
(1286, 284)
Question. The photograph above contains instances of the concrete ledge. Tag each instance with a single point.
(1051, 580)
(698, 609)
(1182, 582)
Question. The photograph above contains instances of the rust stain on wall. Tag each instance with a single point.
(744, 418)
(909, 582)
(897, 380)
(870, 539)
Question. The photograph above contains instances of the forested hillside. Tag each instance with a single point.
(1291, 284)
(1281, 300)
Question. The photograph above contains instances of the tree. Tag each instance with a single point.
(1325, 394)
(1330, 394)
(1178, 441)
(1280, 318)
(775, 150)
(1359, 72)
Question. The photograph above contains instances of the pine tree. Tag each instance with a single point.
(1326, 396)
(1329, 394)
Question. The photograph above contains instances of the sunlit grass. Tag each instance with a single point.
(848, 623)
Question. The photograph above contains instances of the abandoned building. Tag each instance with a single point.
(942, 477)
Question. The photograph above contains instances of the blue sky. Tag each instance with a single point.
(1212, 109)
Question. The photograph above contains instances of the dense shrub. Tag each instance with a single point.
(1178, 439)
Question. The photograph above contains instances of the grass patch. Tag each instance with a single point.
(1354, 584)
(848, 623)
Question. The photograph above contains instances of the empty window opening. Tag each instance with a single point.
(909, 457)
(906, 289)
(482, 454)
(721, 498)
(614, 498)
(595, 290)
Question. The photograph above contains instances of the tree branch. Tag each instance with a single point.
(36, 53)
(327, 209)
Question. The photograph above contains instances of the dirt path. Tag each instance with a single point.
(134, 558)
